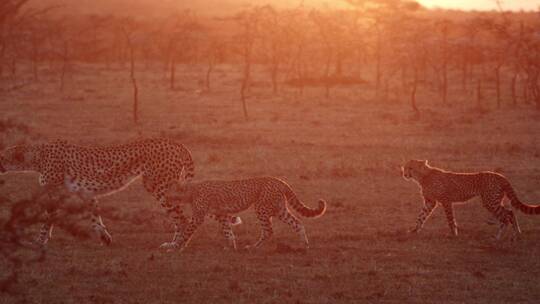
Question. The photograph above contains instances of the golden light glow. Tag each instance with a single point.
(482, 4)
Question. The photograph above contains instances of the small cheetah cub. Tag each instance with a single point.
(443, 187)
(269, 197)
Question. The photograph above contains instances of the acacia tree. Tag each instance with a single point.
(531, 65)
(332, 36)
(275, 37)
(300, 31)
(383, 15)
(214, 52)
(128, 28)
(498, 47)
(412, 54)
(439, 47)
(9, 10)
(183, 41)
(516, 42)
(60, 43)
(249, 31)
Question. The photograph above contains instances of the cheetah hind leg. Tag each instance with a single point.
(515, 225)
(101, 230)
(492, 221)
(500, 232)
(266, 231)
(97, 224)
(289, 219)
(509, 218)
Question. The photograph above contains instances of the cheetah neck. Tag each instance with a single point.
(427, 174)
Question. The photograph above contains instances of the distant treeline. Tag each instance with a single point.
(395, 46)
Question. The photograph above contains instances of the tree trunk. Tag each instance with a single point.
(133, 79)
(513, 89)
(479, 94)
(378, 65)
(64, 65)
(208, 72)
(445, 66)
(173, 73)
(135, 88)
(274, 76)
(245, 84)
(413, 93)
(327, 77)
(526, 90)
(498, 85)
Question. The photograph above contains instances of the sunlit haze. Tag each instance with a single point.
(482, 4)
(261, 151)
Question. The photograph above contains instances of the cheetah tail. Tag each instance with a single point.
(516, 203)
(305, 211)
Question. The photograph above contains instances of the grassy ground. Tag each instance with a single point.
(345, 149)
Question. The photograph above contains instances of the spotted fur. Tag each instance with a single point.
(446, 188)
(269, 197)
(90, 172)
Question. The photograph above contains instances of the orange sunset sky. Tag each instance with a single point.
(483, 4)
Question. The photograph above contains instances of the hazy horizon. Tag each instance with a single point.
(482, 4)
(230, 6)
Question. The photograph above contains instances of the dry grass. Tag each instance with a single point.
(345, 149)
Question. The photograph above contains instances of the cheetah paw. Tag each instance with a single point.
(36, 244)
(169, 246)
(413, 230)
(515, 238)
(106, 238)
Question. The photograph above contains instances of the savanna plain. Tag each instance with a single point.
(346, 148)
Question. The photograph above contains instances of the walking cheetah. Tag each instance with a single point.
(446, 188)
(267, 195)
(90, 172)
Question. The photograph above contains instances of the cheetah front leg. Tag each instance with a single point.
(226, 228)
(45, 232)
(175, 213)
(97, 222)
(183, 239)
(180, 221)
(427, 210)
(449, 211)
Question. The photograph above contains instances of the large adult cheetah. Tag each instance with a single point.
(269, 197)
(446, 188)
(90, 172)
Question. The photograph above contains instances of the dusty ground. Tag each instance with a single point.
(345, 149)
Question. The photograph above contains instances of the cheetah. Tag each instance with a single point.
(267, 195)
(446, 188)
(90, 172)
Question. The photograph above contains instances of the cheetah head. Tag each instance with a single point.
(414, 169)
(15, 158)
